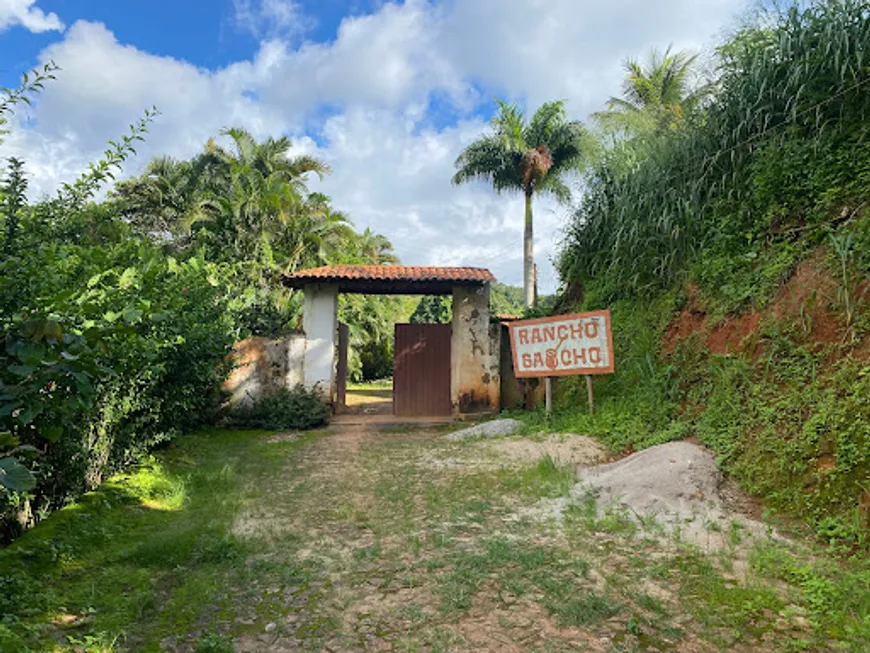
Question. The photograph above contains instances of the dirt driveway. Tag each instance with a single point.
(409, 542)
(355, 539)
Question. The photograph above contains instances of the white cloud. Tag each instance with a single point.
(104, 86)
(22, 12)
(272, 18)
(386, 59)
(564, 49)
(392, 155)
(397, 175)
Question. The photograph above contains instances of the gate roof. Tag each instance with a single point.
(391, 279)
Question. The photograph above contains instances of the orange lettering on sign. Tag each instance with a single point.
(563, 345)
(577, 331)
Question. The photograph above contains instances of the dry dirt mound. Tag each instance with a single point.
(565, 449)
(678, 479)
(677, 483)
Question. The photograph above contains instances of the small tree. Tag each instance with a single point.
(14, 190)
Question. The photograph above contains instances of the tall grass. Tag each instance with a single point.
(780, 149)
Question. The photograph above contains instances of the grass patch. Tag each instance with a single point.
(583, 610)
(547, 479)
(380, 384)
(150, 554)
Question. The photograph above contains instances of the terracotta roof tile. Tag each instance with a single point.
(401, 273)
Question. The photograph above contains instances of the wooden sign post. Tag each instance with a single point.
(563, 345)
(590, 394)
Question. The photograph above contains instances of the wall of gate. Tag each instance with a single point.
(475, 377)
(263, 366)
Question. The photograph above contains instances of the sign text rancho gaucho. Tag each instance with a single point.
(563, 345)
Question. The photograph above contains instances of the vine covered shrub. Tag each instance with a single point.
(117, 315)
(297, 409)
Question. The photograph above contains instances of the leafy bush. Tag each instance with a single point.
(117, 317)
(297, 409)
(107, 351)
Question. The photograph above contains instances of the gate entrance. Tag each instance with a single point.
(421, 370)
(439, 370)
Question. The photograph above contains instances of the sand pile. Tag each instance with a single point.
(677, 481)
(678, 484)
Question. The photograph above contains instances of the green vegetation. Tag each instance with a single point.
(117, 316)
(297, 409)
(725, 224)
(503, 300)
(150, 554)
(732, 246)
(247, 207)
(658, 96)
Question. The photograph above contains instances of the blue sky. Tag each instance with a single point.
(206, 33)
(387, 92)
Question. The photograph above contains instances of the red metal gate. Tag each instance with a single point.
(421, 370)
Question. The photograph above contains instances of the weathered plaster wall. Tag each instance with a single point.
(474, 368)
(512, 395)
(320, 323)
(263, 366)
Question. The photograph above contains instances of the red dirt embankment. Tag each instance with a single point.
(809, 299)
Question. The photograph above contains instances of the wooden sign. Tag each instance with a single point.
(563, 345)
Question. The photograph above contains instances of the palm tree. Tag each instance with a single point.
(249, 210)
(656, 95)
(315, 235)
(245, 194)
(165, 201)
(530, 157)
(269, 157)
(376, 248)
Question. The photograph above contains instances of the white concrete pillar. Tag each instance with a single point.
(320, 323)
(474, 377)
